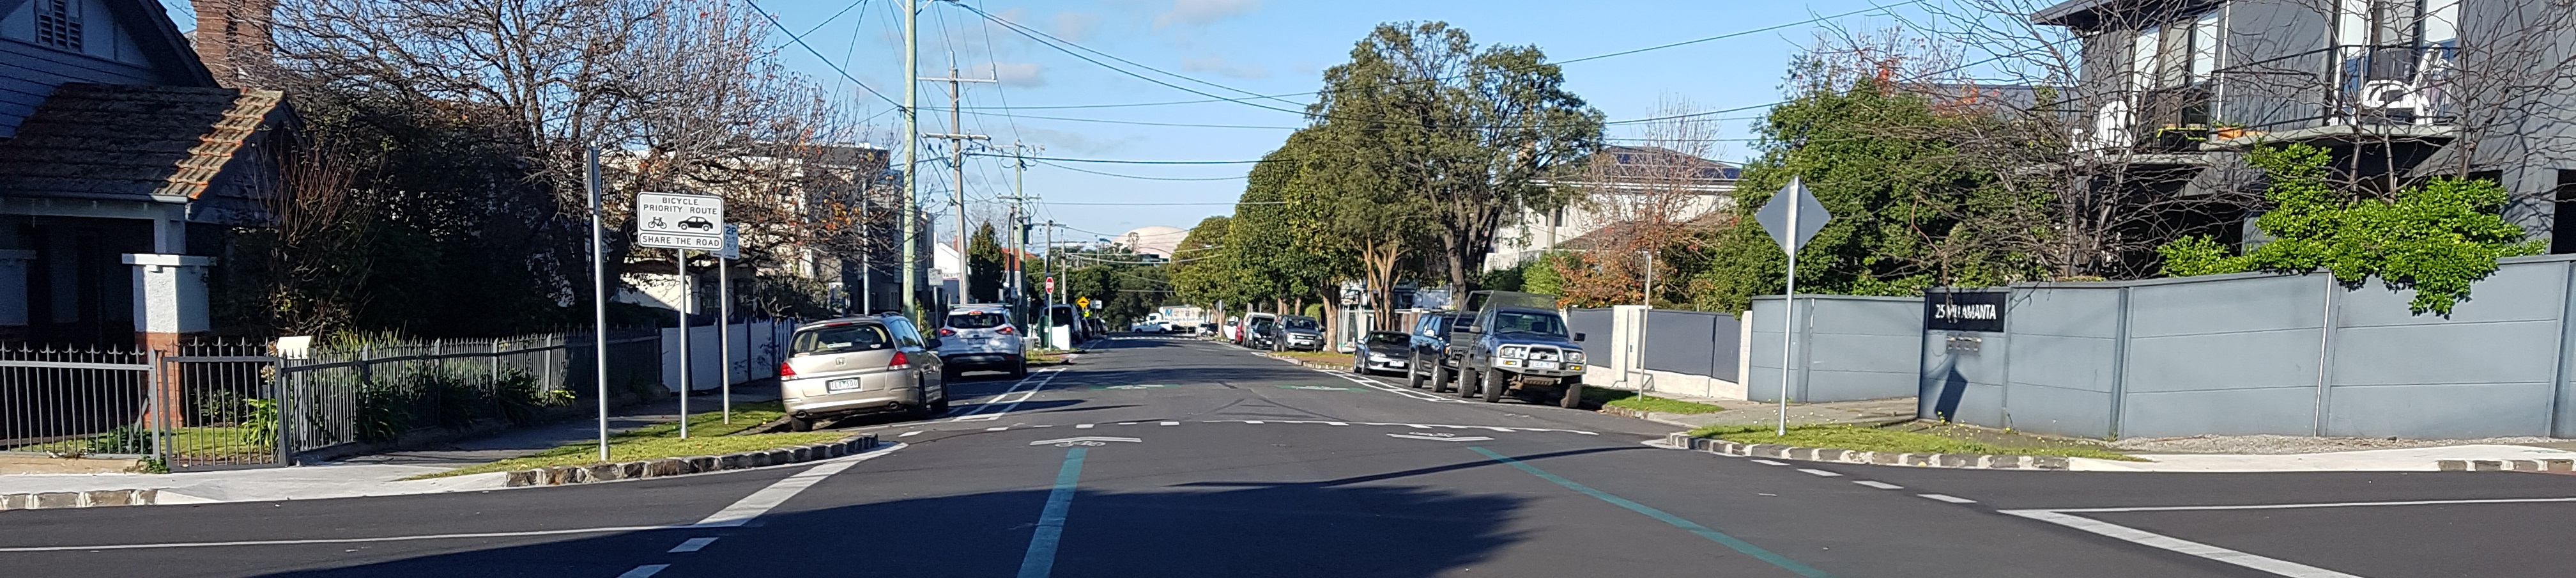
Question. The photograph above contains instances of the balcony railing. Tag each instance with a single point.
(2346, 85)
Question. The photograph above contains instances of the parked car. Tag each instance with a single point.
(1388, 351)
(1257, 330)
(980, 338)
(1428, 362)
(1515, 343)
(1149, 327)
(861, 365)
(1299, 332)
(1233, 330)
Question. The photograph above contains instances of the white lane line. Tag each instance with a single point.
(909, 434)
(997, 428)
(1820, 473)
(1167, 423)
(1770, 463)
(1879, 485)
(1406, 392)
(2160, 541)
(1948, 498)
(2316, 505)
(603, 530)
(1253, 421)
(1082, 426)
(1034, 383)
(693, 545)
(644, 571)
(760, 502)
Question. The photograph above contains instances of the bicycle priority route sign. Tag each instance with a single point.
(678, 221)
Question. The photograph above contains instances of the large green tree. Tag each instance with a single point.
(1468, 131)
(984, 266)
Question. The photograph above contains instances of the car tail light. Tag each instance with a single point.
(785, 370)
(900, 362)
(1005, 330)
(946, 332)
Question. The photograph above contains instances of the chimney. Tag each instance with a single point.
(233, 38)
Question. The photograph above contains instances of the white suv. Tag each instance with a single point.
(981, 338)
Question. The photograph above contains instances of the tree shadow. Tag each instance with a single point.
(1334, 529)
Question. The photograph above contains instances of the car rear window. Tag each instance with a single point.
(839, 338)
(977, 320)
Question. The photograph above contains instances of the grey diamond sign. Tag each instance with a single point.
(1792, 204)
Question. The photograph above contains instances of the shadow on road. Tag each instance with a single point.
(1286, 530)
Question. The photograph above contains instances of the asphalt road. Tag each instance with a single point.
(1205, 460)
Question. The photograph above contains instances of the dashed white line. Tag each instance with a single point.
(644, 571)
(1082, 426)
(1126, 423)
(997, 428)
(760, 502)
(693, 545)
(1167, 423)
(1253, 422)
(1816, 472)
(909, 434)
(1948, 498)
(1770, 463)
(2151, 539)
(1879, 485)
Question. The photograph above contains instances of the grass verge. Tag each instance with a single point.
(1608, 397)
(708, 435)
(1894, 440)
(1325, 356)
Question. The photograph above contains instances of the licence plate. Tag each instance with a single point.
(839, 385)
(1542, 365)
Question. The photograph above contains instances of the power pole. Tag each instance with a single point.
(957, 138)
(1016, 278)
(911, 208)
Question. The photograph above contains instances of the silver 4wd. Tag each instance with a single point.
(1515, 343)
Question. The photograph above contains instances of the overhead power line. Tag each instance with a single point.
(818, 55)
(1127, 162)
(1139, 177)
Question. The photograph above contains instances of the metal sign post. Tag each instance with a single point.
(724, 314)
(681, 223)
(598, 294)
(1792, 217)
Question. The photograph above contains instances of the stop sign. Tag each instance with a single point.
(1050, 284)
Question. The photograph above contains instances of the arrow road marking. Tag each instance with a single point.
(1084, 441)
(1439, 438)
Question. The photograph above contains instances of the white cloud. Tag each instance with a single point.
(1217, 64)
(1074, 26)
(1202, 12)
(1028, 74)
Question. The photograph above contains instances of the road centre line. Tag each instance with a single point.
(2169, 543)
(1816, 472)
(2309, 505)
(1410, 425)
(1879, 485)
(1770, 463)
(644, 571)
(838, 464)
(1040, 559)
(1712, 535)
(1947, 498)
(693, 545)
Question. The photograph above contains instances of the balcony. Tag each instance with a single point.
(2348, 92)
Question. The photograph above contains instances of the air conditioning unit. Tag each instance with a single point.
(2391, 99)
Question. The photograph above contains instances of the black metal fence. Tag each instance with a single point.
(247, 403)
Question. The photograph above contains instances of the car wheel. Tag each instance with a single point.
(939, 407)
(798, 424)
(1358, 367)
(1018, 370)
(1468, 381)
(1439, 377)
(1573, 394)
(1495, 380)
(1413, 372)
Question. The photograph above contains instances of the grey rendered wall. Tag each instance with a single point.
(2490, 369)
(1849, 348)
(1692, 342)
(1594, 323)
(2222, 356)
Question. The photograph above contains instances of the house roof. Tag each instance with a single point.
(132, 142)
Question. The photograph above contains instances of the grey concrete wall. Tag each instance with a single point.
(1692, 342)
(2267, 354)
(1594, 324)
(1849, 348)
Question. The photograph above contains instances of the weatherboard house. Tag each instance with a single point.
(124, 163)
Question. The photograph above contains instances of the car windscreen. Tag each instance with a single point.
(977, 320)
(1388, 341)
(1302, 323)
(840, 338)
(1546, 324)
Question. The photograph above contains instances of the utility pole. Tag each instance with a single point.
(957, 138)
(910, 211)
(1015, 277)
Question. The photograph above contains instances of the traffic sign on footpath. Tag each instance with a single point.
(732, 248)
(677, 221)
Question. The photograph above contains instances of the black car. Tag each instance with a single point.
(1428, 362)
(1388, 351)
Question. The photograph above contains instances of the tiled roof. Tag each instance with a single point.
(98, 140)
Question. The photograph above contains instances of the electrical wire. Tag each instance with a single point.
(818, 55)
(1139, 177)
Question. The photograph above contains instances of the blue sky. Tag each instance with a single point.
(1265, 47)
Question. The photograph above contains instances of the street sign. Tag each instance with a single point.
(1792, 202)
(1050, 284)
(1792, 217)
(732, 248)
(677, 221)
(1082, 302)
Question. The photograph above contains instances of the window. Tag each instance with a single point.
(2142, 58)
(904, 334)
(1302, 323)
(977, 320)
(58, 24)
(840, 338)
(2204, 48)
(2562, 219)
(1530, 323)
(1382, 341)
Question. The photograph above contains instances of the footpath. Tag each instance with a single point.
(368, 475)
